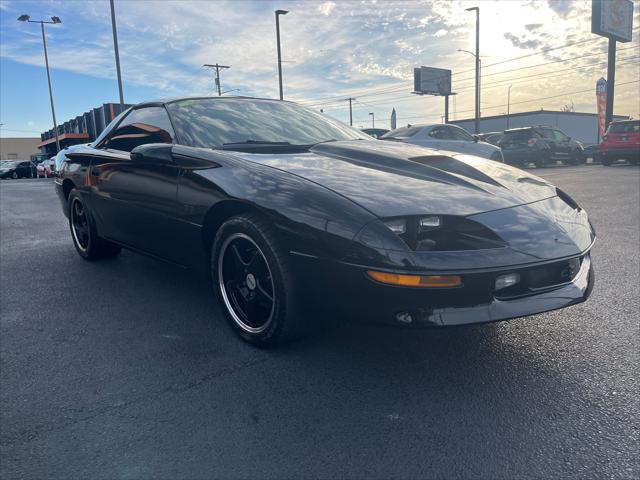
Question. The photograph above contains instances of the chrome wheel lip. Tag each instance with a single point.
(223, 290)
(74, 231)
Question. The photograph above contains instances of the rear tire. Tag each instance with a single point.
(254, 282)
(83, 231)
(606, 161)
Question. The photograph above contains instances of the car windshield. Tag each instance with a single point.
(216, 122)
(625, 127)
(9, 164)
(402, 132)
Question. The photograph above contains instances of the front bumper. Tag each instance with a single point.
(348, 289)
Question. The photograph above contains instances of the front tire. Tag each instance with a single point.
(254, 282)
(577, 158)
(83, 231)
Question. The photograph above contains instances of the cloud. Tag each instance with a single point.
(440, 33)
(525, 44)
(532, 26)
(561, 7)
(326, 8)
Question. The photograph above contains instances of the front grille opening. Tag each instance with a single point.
(536, 279)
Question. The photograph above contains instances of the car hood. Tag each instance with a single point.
(393, 179)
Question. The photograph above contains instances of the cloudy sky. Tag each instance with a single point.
(331, 50)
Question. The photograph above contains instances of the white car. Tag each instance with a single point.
(445, 137)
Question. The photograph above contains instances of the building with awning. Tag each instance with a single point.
(84, 128)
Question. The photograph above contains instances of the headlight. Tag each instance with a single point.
(440, 233)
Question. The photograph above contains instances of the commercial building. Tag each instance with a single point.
(580, 126)
(14, 148)
(84, 128)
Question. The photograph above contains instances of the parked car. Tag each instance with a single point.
(290, 214)
(444, 137)
(592, 151)
(540, 145)
(46, 168)
(375, 132)
(621, 142)
(492, 137)
(17, 169)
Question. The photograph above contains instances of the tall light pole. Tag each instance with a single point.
(373, 119)
(278, 13)
(477, 120)
(54, 21)
(508, 104)
(115, 48)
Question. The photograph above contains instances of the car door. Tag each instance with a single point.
(563, 145)
(462, 141)
(25, 169)
(437, 137)
(135, 201)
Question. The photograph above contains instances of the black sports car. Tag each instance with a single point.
(287, 207)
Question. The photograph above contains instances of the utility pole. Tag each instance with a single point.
(54, 21)
(350, 99)
(477, 119)
(217, 68)
(611, 80)
(508, 104)
(115, 48)
(278, 13)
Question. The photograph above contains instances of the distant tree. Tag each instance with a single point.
(568, 107)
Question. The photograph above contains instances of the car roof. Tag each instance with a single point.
(165, 101)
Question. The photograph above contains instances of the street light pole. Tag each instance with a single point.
(508, 104)
(373, 119)
(278, 13)
(477, 119)
(115, 48)
(54, 21)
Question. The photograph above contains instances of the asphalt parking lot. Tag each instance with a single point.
(126, 369)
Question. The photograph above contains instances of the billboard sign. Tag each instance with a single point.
(601, 103)
(612, 19)
(432, 81)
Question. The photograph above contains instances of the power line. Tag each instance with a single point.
(316, 101)
(398, 89)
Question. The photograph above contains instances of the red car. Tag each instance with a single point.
(621, 142)
(45, 169)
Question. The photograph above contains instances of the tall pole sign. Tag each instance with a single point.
(612, 19)
(601, 101)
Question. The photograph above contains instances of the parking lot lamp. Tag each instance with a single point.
(278, 13)
(508, 104)
(477, 55)
(54, 21)
(373, 119)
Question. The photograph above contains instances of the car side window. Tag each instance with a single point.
(440, 133)
(140, 127)
(546, 133)
(459, 134)
(558, 135)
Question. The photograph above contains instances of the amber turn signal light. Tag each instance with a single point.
(417, 281)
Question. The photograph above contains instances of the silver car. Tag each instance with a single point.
(445, 137)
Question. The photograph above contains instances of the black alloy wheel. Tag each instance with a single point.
(83, 233)
(14, 175)
(246, 283)
(79, 225)
(255, 283)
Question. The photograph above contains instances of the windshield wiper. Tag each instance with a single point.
(253, 142)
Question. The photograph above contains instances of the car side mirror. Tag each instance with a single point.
(158, 153)
(476, 138)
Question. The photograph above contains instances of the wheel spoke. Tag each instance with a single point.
(262, 293)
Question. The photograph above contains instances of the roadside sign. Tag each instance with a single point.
(612, 19)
